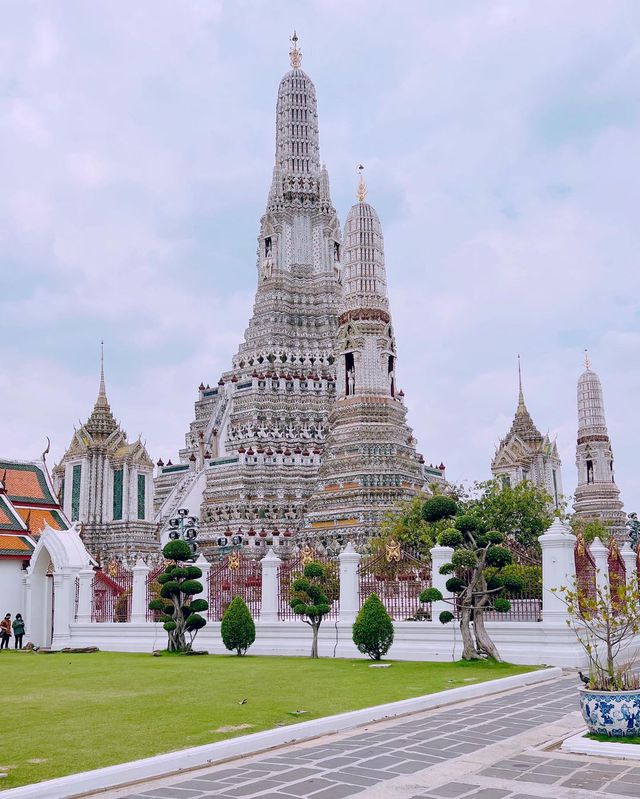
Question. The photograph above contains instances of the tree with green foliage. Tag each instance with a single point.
(590, 529)
(309, 599)
(179, 584)
(373, 629)
(238, 629)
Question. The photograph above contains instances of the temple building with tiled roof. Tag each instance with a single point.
(105, 482)
(525, 454)
(27, 504)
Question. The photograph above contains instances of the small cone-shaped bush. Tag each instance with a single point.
(237, 629)
(373, 629)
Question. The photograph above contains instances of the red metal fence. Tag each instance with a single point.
(293, 568)
(112, 590)
(397, 577)
(153, 591)
(585, 568)
(236, 574)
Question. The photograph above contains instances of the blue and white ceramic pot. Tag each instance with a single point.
(613, 713)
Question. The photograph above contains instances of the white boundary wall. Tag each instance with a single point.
(548, 642)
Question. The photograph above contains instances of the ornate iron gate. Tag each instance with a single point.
(112, 590)
(234, 575)
(293, 568)
(398, 578)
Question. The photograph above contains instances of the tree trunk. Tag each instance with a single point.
(315, 626)
(468, 648)
(483, 639)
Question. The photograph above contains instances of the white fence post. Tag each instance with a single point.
(269, 605)
(139, 592)
(629, 557)
(440, 556)
(601, 556)
(558, 569)
(203, 564)
(349, 584)
(85, 593)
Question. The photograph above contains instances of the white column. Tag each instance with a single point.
(203, 564)
(85, 593)
(349, 584)
(558, 569)
(64, 587)
(629, 557)
(440, 556)
(139, 593)
(601, 556)
(269, 606)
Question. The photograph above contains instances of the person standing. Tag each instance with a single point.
(5, 631)
(18, 630)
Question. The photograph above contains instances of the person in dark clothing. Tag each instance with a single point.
(18, 630)
(5, 631)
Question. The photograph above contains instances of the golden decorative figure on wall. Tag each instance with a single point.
(234, 560)
(392, 552)
(307, 555)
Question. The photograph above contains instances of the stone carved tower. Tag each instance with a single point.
(106, 483)
(370, 462)
(525, 454)
(252, 454)
(597, 495)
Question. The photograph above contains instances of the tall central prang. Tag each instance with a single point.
(252, 454)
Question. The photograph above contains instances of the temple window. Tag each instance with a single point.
(117, 494)
(267, 247)
(75, 492)
(336, 251)
(349, 366)
(589, 471)
(142, 490)
(555, 486)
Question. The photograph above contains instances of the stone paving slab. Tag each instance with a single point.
(482, 749)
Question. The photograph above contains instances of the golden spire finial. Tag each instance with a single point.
(520, 391)
(362, 189)
(294, 53)
(587, 360)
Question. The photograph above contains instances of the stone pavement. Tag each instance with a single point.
(498, 748)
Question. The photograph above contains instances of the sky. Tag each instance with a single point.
(500, 141)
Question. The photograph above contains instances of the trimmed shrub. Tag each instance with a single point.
(238, 630)
(438, 508)
(373, 629)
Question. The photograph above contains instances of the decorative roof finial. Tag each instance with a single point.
(102, 392)
(587, 360)
(294, 53)
(362, 189)
(520, 391)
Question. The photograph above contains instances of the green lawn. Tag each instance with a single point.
(66, 713)
(608, 739)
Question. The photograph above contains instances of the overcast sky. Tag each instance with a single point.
(501, 143)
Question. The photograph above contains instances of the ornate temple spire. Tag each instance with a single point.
(591, 416)
(597, 495)
(101, 421)
(365, 278)
(523, 425)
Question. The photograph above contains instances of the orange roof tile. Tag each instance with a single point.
(14, 544)
(37, 517)
(24, 482)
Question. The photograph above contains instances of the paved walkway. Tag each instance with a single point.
(498, 748)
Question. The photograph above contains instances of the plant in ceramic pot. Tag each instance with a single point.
(606, 621)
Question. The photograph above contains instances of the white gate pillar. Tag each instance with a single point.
(139, 592)
(269, 605)
(629, 558)
(64, 588)
(601, 557)
(558, 569)
(205, 567)
(85, 593)
(349, 584)
(440, 556)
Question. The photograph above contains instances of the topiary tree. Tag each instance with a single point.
(238, 630)
(309, 599)
(178, 584)
(373, 629)
(476, 580)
